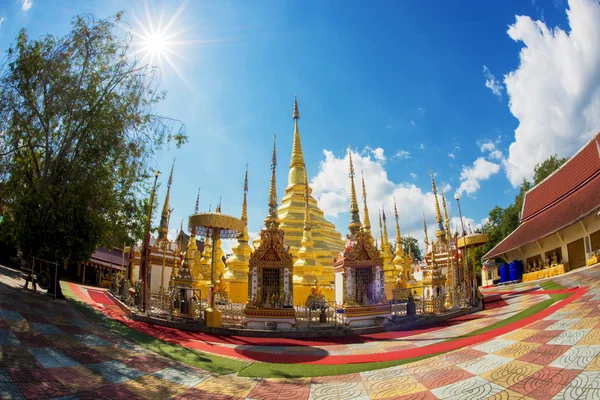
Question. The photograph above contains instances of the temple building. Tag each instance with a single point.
(327, 242)
(560, 220)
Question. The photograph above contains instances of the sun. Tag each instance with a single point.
(156, 42)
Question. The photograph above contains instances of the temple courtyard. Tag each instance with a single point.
(538, 340)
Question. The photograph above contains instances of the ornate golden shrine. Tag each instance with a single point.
(359, 274)
(271, 271)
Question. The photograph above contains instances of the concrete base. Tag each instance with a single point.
(370, 320)
(261, 323)
(212, 318)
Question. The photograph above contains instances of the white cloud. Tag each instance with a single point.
(555, 91)
(490, 148)
(487, 146)
(331, 189)
(492, 83)
(422, 146)
(452, 155)
(496, 154)
(470, 176)
(413, 175)
(413, 123)
(26, 4)
(2, 20)
(388, 127)
(402, 154)
(378, 154)
(421, 110)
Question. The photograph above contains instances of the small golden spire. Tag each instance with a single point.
(366, 219)
(196, 209)
(438, 215)
(380, 230)
(446, 218)
(470, 231)
(355, 224)
(409, 246)
(245, 203)
(163, 230)
(218, 209)
(296, 114)
(399, 249)
(425, 229)
(272, 219)
(306, 213)
(386, 239)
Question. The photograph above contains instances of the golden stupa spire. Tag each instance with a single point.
(409, 246)
(386, 239)
(244, 217)
(163, 229)
(306, 254)
(272, 219)
(399, 250)
(355, 224)
(218, 209)
(297, 174)
(366, 219)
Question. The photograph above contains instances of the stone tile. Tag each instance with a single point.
(577, 357)
(394, 387)
(484, 364)
(152, 387)
(47, 329)
(569, 337)
(7, 338)
(91, 340)
(475, 387)
(186, 377)
(10, 315)
(227, 385)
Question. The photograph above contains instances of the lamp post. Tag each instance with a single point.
(145, 270)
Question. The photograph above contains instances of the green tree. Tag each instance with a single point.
(79, 137)
(542, 170)
(414, 247)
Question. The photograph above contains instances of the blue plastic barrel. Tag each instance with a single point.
(515, 269)
(504, 273)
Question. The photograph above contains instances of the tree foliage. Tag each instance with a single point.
(414, 247)
(79, 137)
(503, 221)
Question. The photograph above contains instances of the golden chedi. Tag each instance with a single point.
(327, 242)
(238, 262)
(389, 275)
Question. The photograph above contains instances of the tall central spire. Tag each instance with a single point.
(163, 230)
(297, 174)
(354, 225)
(272, 219)
(245, 203)
(446, 219)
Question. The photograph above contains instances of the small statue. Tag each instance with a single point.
(273, 300)
(554, 259)
(529, 267)
(316, 295)
(547, 263)
(259, 297)
(281, 298)
(222, 285)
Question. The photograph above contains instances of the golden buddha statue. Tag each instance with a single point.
(400, 283)
(554, 259)
(316, 294)
(222, 286)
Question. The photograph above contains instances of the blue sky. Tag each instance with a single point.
(402, 81)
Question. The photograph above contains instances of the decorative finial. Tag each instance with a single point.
(355, 224)
(446, 218)
(296, 113)
(171, 175)
(470, 231)
(163, 229)
(366, 219)
(272, 219)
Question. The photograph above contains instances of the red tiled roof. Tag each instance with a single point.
(573, 208)
(582, 166)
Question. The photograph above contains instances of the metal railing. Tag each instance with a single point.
(319, 315)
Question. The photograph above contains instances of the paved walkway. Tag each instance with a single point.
(49, 350)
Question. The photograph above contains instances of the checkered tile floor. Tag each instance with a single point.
(49, 350)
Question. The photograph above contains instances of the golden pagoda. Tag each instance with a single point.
(327, 242)
(238, 262)
(403, 264)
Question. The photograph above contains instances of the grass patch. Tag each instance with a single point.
(273, 370)
(209, 362)
(222, 365)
